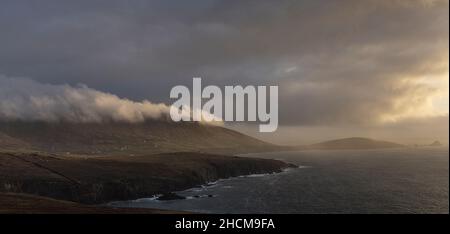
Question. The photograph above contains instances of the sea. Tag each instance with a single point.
(404, 180)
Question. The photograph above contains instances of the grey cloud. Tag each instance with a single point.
(351, 57)
(26, 100)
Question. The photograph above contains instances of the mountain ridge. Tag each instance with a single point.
(150, 137)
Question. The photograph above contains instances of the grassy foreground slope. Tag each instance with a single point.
(14, 203)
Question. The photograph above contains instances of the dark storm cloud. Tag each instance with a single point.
(335, 61)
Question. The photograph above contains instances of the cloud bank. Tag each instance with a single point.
(347, 62)
(338, 64)
(27, 100)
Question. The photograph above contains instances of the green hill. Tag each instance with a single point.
(125, 138)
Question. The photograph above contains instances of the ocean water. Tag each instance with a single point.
(413, 180)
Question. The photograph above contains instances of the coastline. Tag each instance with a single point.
(156, 197)
(97, 181)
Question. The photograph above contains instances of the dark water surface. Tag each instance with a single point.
(413, 180)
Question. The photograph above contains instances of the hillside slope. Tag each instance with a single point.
(125, 138)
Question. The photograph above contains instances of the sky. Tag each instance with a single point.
(345, 68)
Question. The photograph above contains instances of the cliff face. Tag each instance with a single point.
(100, 180)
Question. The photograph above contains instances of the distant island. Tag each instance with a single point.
(436, 143)
(356, 143)
(433, 144)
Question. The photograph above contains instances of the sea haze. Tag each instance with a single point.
(408, 180)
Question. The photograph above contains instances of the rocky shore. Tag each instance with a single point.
(99, 180)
